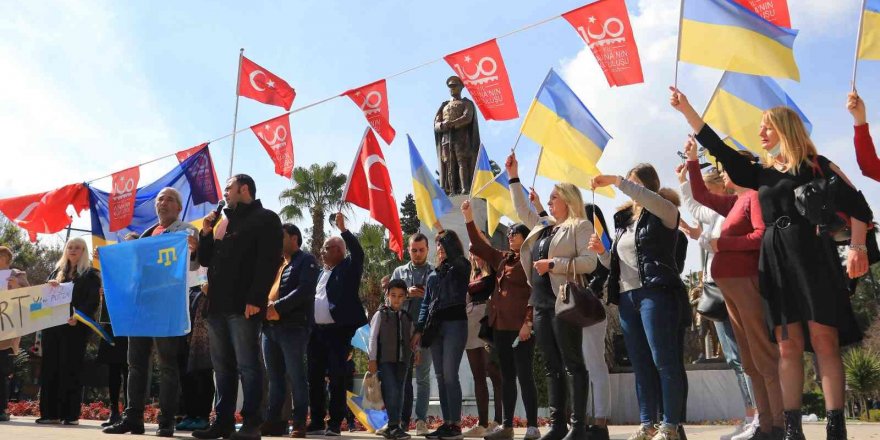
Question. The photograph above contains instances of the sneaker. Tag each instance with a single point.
(165, 430)
(645, 432)
(476, 432)
(125, 426)
(114, 419)
(453, 432)
(532, 433)
(250, 430)
(436, 434)
(4, 417)
(399, 434)
(421, 427)
(332, 432)
(666, 432)
(185, 424)
(747, 430)
(199, 423)
(45, 421)
(73, 422)
(503, 433)
(493, 425)
(382, 431)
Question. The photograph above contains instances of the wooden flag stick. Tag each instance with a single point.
(235, 118)
(858, 44)
(678, 49)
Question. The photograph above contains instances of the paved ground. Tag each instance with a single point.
(21, 428)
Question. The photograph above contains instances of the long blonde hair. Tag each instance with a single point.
(571, 195)
(63, 264)
(796, 146)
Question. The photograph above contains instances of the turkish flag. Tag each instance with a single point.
(481, 69)
(605, 27)
(122, 197)
(372, 99)
(774, 11)
(262, 85)
(274, 134)
(369, 186)
(45, 213)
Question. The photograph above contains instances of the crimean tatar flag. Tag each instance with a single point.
(869, 44)
(431, 202)
(495, 190)
(725, 35)
(572, 140)
(737, 106)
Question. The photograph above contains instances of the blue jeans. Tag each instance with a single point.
(650, 321)
(731, 355)
(235, 343)
(447, 351)
(393, 376)
(284, 352)
(422, 374)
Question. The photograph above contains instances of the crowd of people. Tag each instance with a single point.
(784, 285)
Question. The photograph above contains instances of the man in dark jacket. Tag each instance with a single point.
(338, 314)
(242, 265)
(287, 326)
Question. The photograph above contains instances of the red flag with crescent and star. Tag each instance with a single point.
(482, 71)
(45, 213)
(274, 134)
(372, 99)
(369, 186)
(605, 27)
(122, 197)
(262, 85)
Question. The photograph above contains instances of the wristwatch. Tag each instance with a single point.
(552, 264)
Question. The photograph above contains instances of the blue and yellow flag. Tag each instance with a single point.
(145, 285)
(194, 178)
(727, 36)
(572, 140)
(869, 43)
(431, 201)
(495, 190)
(90, 323)
(601, 232)
(737, 106)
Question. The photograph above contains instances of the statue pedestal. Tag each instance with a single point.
(454, 221)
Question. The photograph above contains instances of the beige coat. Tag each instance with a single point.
(568, 245)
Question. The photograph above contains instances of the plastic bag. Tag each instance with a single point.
(372, 392)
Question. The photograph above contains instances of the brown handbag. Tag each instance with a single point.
(576, 303)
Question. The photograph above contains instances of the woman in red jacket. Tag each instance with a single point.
(866, 155)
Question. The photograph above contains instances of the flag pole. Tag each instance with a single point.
(858, 44)
(486, 185)
(235, 117)
(537, 166)
(476, 167)
(513, 149)
(678, 49)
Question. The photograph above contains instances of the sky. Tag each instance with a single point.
(93, 87)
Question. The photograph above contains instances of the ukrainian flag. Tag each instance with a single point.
(495, 190)
(725, 35)
(572, 140)
(869, 43)
(431, 202)
(737, 106)
(601, 232)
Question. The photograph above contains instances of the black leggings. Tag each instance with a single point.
(117, 380)
(478, 358)
(516, 363)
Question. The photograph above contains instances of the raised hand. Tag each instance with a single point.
(604, 180)
(512, 166)
(856, 108)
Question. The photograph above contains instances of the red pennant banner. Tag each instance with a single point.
(605, 27)
(274, 134)
(482, 70)
(262, 85)
(369, 186)
(774, 11)
(372, 99)
(45, 213)
(122, 197)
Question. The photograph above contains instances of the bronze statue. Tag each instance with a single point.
(458, 140)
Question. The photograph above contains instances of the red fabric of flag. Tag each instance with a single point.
(45, 213)
(122, 197)
(372, 99)
(774, 11)
(202, 175)
(262, 85)
(274, 134)
(605, 27)
(481, 69)
(369, 186)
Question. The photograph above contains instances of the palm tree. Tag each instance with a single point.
(317, 189)
(379, 261)
(862, 369)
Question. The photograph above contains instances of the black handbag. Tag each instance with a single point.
(486, 332)
(815, 201)
(711, 305)
(576, 303)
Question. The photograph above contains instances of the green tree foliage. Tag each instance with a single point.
(379, 261)
(318, 190)
(409, 217)
(37, 259)
(862, 370)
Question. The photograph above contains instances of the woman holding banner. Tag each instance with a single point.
(555, 248)
(801, 279)
(64, 346)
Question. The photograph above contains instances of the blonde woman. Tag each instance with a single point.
(64, 346)
(556, 246)
(800, 276)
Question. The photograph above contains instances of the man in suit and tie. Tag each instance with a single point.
(338, 314)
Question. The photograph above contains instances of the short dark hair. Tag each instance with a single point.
(291, 229)
(244, 179)
(519, 228)
(418, 236)
(395, 284)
